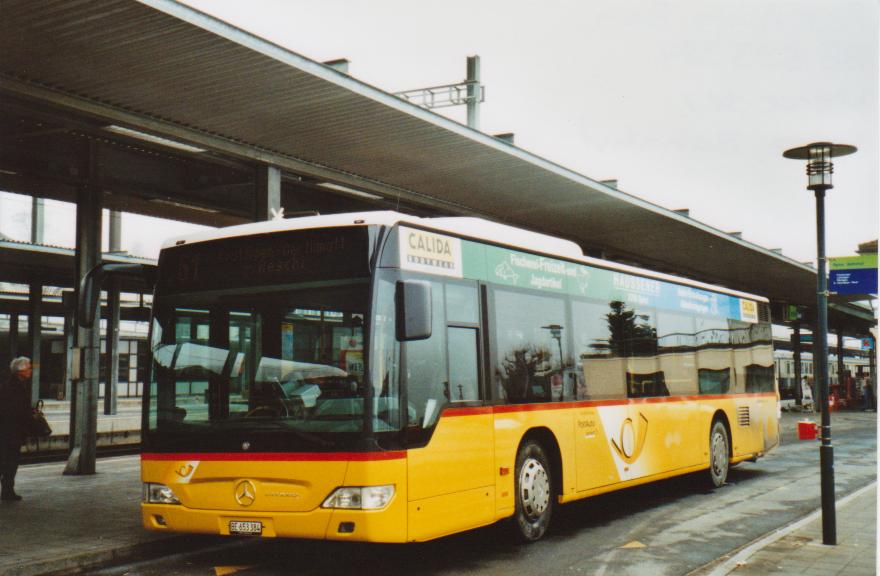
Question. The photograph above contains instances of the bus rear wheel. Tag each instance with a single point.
(719, 454)
(534, 492)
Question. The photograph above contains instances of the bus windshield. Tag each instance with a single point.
(268, 360)
(289, 361)
(257, 343)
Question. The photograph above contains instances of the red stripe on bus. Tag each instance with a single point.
(467, 411)
(276, 456)
(508, 408)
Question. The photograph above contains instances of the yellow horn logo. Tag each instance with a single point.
(632, 440)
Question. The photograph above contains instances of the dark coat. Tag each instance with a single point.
(15, 410)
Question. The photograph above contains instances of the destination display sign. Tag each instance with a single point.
(264, 259)
(440, 254)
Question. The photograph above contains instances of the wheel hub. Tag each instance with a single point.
(719, 454)
(534, 488)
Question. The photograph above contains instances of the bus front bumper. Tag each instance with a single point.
(388, 525)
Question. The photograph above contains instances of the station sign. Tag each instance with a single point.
(854, 274)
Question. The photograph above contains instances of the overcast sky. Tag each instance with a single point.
(689, 104)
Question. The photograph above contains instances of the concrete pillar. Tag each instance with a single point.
(68, 300)
(841, 370)
(84, 400)
(37, 220)
(13, 336)
(872, 365)
(267, 192)
(115, 229)
(798, 375)
(218, 387)
(112, 369)
(35, 335)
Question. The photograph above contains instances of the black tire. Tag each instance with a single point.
(534, 492)
(719, 454)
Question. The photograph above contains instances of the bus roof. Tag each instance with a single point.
(471, 227)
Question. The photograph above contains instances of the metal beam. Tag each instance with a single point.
(113, 115)
(474, 92)
(841, 370)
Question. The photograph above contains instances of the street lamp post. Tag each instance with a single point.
(556, 334)
(819, 169)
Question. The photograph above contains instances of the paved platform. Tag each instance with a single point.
(800, 550)
(66, 523)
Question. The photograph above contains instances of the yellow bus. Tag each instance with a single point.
(387, 378)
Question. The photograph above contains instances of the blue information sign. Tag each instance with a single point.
(854, 281)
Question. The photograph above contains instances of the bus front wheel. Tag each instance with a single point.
(534, 491)
(719, 454)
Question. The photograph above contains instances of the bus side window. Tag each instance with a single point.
(462, 338)
(464, 373)
(531, 336)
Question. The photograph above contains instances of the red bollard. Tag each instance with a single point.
(807, 430)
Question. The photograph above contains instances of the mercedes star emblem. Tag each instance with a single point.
(245, 493)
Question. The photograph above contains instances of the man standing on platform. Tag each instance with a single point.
(15, 414)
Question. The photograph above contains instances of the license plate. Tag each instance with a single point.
(250, 528)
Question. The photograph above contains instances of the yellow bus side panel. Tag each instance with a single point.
(592, 456)
(451, 481)
(643, 439)
(465, 477)
(510, 427)
(450, 513)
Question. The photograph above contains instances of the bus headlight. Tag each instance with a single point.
(159, 494)
(360, 497)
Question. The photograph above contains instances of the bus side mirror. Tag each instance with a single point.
(413, 310)
(90, 287)
(89, 295)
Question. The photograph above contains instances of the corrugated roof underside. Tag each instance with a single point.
(142, 60)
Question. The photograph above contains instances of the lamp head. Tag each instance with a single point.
(819, 166)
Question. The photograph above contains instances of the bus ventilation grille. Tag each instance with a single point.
(742, 416)
(763, 312)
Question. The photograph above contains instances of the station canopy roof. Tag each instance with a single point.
(26, 263)
(163, 68)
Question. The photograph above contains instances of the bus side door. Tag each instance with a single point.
(450, 479)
